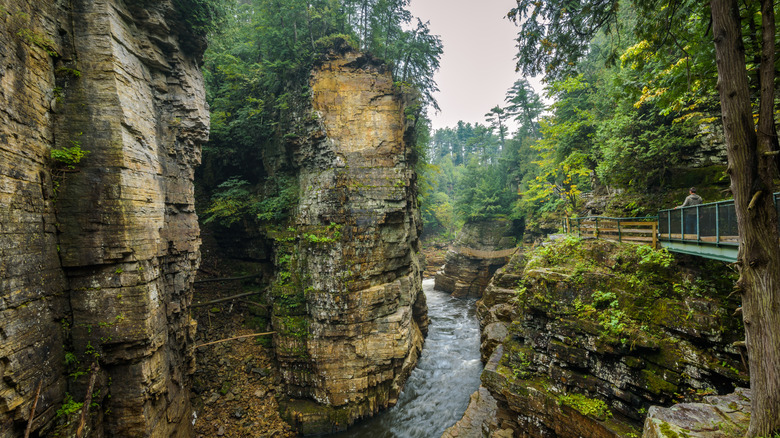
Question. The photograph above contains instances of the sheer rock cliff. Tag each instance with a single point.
(97, 258)
(348, 302)
(583, 339)
(480, 249)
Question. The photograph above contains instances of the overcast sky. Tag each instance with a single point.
(478, 66)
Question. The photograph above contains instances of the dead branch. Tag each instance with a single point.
(32, 410)
(232, 339)
(87, 400)
(211, 280)
(233, 297)
(753, 201)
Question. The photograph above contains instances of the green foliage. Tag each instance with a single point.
(604, 299)
(69, 407)
(483, 192)
(235, 200)
(230, 203)
(69, 157)
(65, 71)
(38, 40)
(587, 406)
(201, 16)
(276, 204)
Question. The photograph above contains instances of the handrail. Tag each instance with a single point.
(614, 228)
(712, 224)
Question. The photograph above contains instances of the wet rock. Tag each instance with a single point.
(481, 248)
(479, 418)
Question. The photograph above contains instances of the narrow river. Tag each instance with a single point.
(437, 392)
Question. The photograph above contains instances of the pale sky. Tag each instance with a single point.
(478, 65)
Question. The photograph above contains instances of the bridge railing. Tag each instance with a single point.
(707, 230)
(712, 223)
(620, 229)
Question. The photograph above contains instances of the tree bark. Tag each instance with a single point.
(751, 183)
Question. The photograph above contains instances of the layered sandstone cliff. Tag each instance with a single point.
(348, 304)
(97, 257)
(479, 251)
(584, 337)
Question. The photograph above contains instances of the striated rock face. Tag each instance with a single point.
(348, 303)
(97, 259)
(481, 248)
(584, 337)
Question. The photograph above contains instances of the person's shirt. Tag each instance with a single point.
(692, 199)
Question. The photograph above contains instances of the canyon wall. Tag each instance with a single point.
(348, 303)
(97, 257)
(584, 338)
(480, 249)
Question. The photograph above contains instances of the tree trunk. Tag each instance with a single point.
(759, 253)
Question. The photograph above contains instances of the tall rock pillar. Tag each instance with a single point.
(349, 309)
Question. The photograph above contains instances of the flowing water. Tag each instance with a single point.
(437, 392)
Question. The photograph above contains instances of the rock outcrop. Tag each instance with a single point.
(583, 337)
(717, 416)
(480, 249)
(348, 303)
(97, 257)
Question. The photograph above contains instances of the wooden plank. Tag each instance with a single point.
(632, 224)
(632, 239)
(628, 230)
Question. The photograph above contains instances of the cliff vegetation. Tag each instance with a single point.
(598, 332)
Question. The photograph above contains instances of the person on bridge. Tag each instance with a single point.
(692, 199)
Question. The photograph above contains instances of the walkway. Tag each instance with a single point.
(706, 230)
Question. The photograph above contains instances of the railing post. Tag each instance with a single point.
(620, 234)
(596, 232)
(655, 234)
(698, 222)
(717, 224)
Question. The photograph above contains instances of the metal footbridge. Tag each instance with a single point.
(706, 230)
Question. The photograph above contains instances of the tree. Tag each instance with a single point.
(497, 117)
(553, 36)
(753, 169)
(525, 106)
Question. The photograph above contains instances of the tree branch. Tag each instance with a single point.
(232, 339)
(220, 300)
